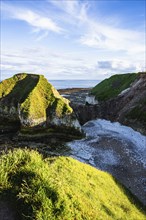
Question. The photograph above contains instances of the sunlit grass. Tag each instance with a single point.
(113, 86)
(64, 189)
(35, 96)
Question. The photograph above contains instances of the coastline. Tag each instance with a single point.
(76, 96)
(122, 171)
(72, 90)
(77, 99)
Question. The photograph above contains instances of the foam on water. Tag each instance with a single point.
(102, 126)
(97, 128)
(116, 149)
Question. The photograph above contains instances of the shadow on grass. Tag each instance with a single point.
(28, 194)
(20, 91)
(132, 198)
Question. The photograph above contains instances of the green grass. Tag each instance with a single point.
(44, 98)
(36, 97)
(63, 189)
(113, 86)
(7, 85)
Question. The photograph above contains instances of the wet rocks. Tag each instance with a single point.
(128, 106)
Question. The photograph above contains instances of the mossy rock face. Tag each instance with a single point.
(63, 188)
(33, 101)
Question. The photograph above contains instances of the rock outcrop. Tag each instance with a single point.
(126, 102)
(31, 101)
(120, 98)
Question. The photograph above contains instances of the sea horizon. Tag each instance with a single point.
(70, 83)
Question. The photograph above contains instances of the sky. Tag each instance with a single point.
(72, 39)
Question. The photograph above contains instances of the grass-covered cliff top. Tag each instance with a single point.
(113, 86)
(34, 95)
(62, 188)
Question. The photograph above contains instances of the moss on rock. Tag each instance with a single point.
(33, 100)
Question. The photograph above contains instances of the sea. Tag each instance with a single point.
(65, 84)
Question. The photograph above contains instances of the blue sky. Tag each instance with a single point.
(72, 39)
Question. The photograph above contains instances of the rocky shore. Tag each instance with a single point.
(77, 99)
(112, 154)
(53, 141)
(127, 106)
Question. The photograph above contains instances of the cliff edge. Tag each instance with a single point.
(123, 98)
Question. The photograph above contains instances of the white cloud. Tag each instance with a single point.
(97, 32)
(73, 8)
(117, 65)
(89, 31)
(117, 50)
(67, 6)
(63, 65)
(52, 65)
(110, 38)
(71, 11)
(32, 18)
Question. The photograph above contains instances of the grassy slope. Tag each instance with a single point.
(16, 89)
(7, 85)
(43, 97)
(111, 87)
(63, 188)
(35, 95)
